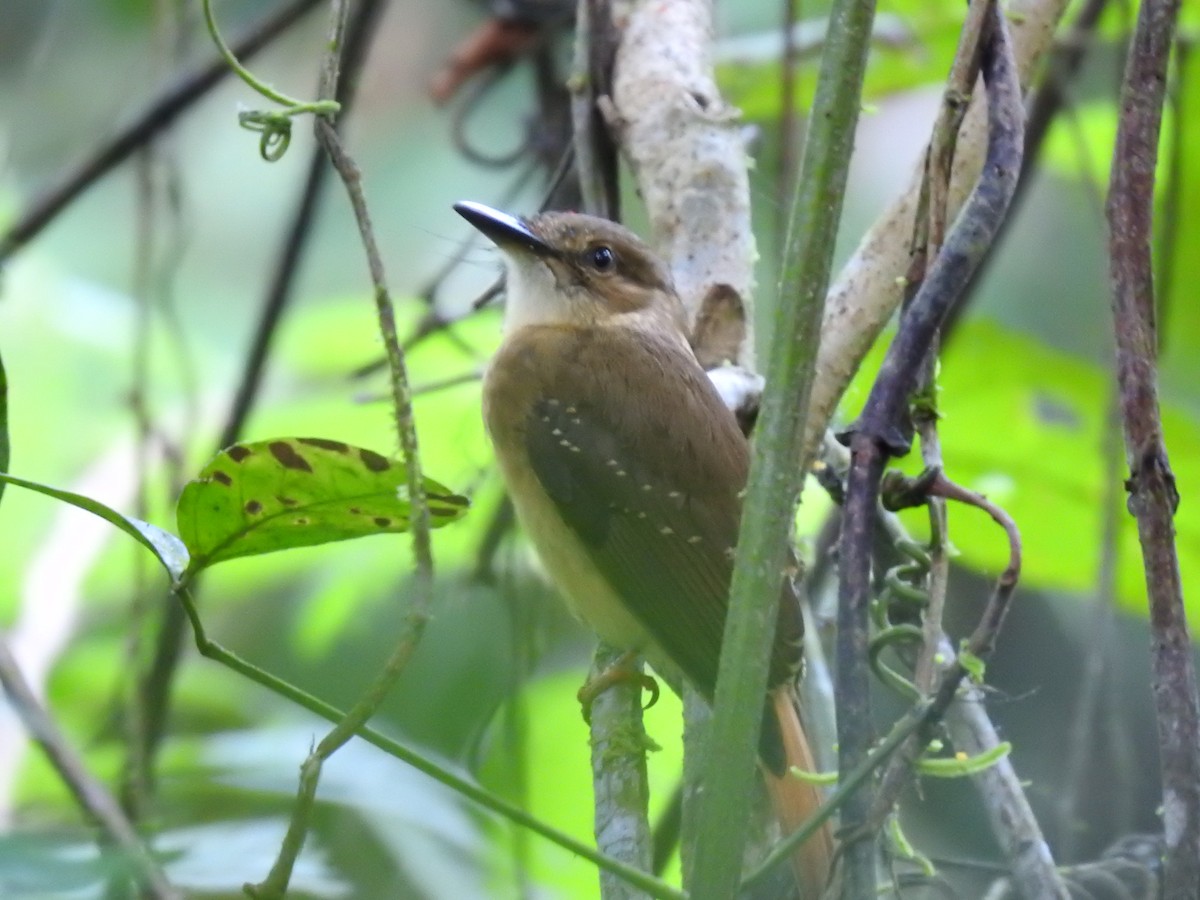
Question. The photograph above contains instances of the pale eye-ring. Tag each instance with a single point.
(601, 258)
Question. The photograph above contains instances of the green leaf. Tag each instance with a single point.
(264, 496)
(167, 548)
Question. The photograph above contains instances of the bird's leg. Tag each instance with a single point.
(624, 669)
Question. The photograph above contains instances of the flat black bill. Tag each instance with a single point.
(504, 230)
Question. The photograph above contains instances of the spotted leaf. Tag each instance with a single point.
(295, 492)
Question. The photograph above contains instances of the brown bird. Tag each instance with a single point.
(626, 470)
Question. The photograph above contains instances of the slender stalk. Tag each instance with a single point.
(1151, 485)
(169, 639)
(938, 169)
(417, 615)
(774, 486)
(902, 731)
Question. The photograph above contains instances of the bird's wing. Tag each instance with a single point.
(651, 485)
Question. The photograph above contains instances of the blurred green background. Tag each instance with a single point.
(138, 304)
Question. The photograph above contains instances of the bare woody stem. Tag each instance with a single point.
(883, 430)
(1151, 484)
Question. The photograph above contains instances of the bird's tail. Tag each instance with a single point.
(796, 801)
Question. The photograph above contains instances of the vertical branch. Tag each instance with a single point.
(883, 429)
(938, 168)
(1013, 823)
(595, 151)
(764, 540)
(685, 148)
(417, 616)
(619, 745)
(1151, 484)
(789, 125)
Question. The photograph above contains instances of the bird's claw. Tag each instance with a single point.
(623, 670)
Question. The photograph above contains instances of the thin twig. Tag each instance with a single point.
(159, 114)
(417, 615)
(939, 166)
(865, 295)
(883, 429)
(959, 85)
(1012, 820)
(1013, 823)
(91, 796)
(169, 640)
(848, 786)
(983, 639)
(789, 121)
(1151, 485)
(1048, 102)
(595, 150)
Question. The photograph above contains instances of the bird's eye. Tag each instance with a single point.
(601, 258)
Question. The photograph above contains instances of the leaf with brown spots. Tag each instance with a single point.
(259, 497)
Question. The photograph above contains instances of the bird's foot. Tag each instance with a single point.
(623, 670)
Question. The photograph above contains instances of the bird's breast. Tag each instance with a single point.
(514, 383)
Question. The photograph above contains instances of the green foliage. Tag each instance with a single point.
(1023, 421)
(296, 492)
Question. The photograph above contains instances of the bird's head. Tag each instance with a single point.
(572, 269)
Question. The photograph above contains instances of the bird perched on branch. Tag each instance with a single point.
(626, 470)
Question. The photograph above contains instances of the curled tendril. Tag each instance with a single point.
(275, 129)
(901, 585)
(275, 126)
(896, 634)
